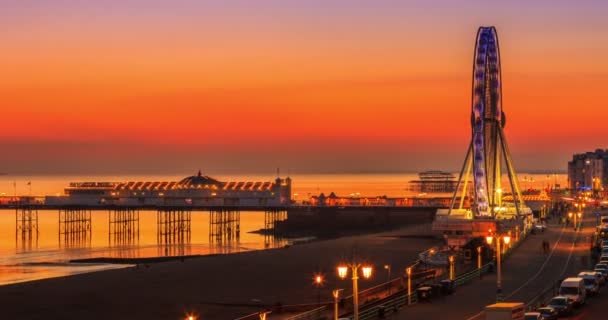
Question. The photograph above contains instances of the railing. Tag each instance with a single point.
(389, 305)
(313, 314)
(471, 275)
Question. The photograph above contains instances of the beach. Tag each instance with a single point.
(214, 287)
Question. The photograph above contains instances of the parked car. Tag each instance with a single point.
(574, 288)
(562, 305)
(603, 259)
(548, 313)
(603, 268)
(599, 276)
(532, 316)
(540, 226)
(592, 285)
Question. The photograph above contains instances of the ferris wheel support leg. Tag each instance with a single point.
(467, 160)
(517, 198)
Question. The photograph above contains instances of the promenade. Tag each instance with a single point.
(526, 273)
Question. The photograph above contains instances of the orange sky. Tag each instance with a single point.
(322, 87)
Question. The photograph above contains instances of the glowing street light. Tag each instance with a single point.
(387, 267)
(318, 281)
(499, 239)
(409, 285)
(366, 271)
(427, 256)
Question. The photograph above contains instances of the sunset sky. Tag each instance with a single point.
(310, 86)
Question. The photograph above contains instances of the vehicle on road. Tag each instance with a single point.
(540, 226)
(505, 311)
(603, 268)
(592, 285)
(563, 305)
(574, 288)
(548, 313)
(533, 316)
(599, 276)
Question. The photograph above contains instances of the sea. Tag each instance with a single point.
(48, 252)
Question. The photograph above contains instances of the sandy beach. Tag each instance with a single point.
(214, 287)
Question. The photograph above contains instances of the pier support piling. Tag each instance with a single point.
(123, 226)
(173, 231)
(75, 227)
(26, 227)
(224, 226)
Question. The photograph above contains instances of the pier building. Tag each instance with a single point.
(434, 182)
(196, 190)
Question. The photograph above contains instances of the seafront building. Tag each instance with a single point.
(434, 182)
(197, 190)
(588, 171)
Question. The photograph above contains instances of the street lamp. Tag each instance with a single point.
(318, 280)
(408, 270)
(366, 271)
(499, 239)
(451, 259)
(336, 295)
(429, 253)
(479, 260)
(387, 267)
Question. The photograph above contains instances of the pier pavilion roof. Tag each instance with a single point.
(199, 180)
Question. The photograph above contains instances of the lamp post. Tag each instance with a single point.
(479, 260)
(409, 285)
(366, 271)
(429, 253)
(451, 259)
(318, 280)
(264, 314)
(387, 267)
(499, 239)
(336, 295)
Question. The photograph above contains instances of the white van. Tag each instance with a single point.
(574, 289)
(592, 284)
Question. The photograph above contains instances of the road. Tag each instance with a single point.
(526, 273)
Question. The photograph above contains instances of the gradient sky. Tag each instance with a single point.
(309, 86)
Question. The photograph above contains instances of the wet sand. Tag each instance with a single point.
(214, 287)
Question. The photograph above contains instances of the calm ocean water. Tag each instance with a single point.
(46, 254)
